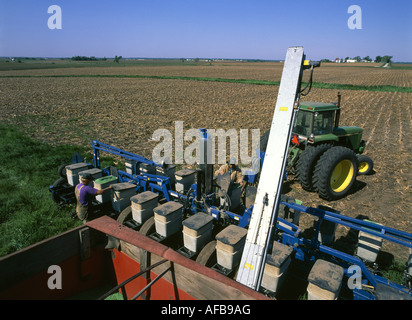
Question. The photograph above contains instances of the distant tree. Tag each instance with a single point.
(357, 58)
(367, 58)
(197, 60)
(386, 59)
(83, 58)
(182, 59)
(378, 59)
(117, 58)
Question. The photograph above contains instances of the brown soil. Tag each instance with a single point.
(125, 113)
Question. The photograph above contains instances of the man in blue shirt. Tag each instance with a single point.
(84, 195)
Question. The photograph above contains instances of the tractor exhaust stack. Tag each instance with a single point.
(338, 111)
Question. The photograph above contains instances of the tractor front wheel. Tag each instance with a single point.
(365, 165)
(335, 173)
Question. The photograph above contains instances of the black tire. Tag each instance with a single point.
(335, 173)
(207, 256)
(148, 227)
(124, 215)
(61, 171)
(307, 162)
(59, 182)
(365, 165)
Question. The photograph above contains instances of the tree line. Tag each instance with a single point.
(379, 59)
(92, 58)
(384, 59)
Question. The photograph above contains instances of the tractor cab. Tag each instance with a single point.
(318, 122)
(314, 119)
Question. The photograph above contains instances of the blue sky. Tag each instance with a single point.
(238, 29)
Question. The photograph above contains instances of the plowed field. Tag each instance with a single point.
(125, 112)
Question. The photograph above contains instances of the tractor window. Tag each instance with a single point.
(323, 122)
(302, 123)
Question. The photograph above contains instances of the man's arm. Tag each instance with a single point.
(104, 190)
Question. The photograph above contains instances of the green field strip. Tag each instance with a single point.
(320, 85)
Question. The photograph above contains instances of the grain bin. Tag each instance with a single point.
(130, 166)
(325, 281)
(368, 246)
(229, 246)
(168, 218)
(197, 231)
(167, 171)
(103, 183)
(276, 266)
(184, 179)
(147, 168)
(122, 192)
(73, 171)
(143, 205)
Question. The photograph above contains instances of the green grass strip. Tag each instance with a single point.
(382, 88)
(320, 85)
(27, 169)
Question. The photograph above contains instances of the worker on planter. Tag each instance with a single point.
(236, 177)
(235, 172)
(84, 196)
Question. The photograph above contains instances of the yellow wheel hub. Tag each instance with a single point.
(363, 167)
(342, 175)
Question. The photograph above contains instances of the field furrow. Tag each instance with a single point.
(125, 112)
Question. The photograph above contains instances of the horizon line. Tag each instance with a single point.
(170, 58)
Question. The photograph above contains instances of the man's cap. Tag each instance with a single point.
(87, 176)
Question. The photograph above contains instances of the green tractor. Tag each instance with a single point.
(324, 156)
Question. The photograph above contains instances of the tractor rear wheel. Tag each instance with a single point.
(335, 173)
(307, 162)
(365, 165)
